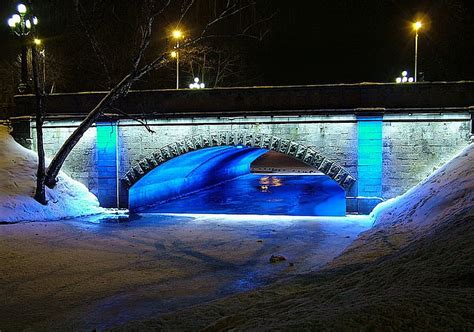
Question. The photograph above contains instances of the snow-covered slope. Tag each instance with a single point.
(441, 198)
(17, 184)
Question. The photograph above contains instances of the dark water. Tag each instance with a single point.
(296, 195)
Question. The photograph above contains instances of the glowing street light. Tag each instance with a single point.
(177, 35)
(404, 78)
(22, 23)
(196, 84)
(416, 26)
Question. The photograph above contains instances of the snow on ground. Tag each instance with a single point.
(412, 271)
(442, 197)
(17, 184)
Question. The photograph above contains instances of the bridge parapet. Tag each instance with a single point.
(423, 97)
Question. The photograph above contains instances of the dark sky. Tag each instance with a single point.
(331, 41)
(364, 40)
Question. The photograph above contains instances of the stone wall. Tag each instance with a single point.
(81, 162)
(413, 150)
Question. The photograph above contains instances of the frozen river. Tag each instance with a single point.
(269, 194)
(104, 271)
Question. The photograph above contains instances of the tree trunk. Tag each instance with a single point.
(40, 193)
(120, 90)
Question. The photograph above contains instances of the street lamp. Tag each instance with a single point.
(416, 26)
(404, 78)
(177, 36)
(21, 23)
(39, 42)
(196, 84)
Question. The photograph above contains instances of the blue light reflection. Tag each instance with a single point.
(218, 180)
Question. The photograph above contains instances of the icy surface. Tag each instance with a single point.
(412, 271)
(17, 184)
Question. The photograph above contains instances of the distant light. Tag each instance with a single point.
(196, 84)
(35, 20)
(417, 25)
(37, 41)
(21, 8)
(28, 24)
(239, 146)
(174, 54)
(16, 18)
(11, 22)
(177, 34)
(404, 78)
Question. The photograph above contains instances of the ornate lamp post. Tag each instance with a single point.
(22, 22)
(196, 84)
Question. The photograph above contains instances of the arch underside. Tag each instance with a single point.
(307, 154)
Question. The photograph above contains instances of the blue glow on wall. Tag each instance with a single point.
(369, 166)
(106, 147)
(190, 172)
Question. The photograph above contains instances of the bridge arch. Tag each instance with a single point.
(307, 154)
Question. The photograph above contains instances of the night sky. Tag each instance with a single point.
(324, 41)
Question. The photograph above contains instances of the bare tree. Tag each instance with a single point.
(139, 67)
(40, 194)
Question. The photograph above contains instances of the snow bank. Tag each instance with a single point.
(17, 184)
(443, 197)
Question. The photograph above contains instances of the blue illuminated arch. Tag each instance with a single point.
(307, 154)
(191, 172)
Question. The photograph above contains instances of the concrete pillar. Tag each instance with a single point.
(369, 162)
(107, 165)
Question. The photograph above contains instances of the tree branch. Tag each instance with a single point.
(94, 42)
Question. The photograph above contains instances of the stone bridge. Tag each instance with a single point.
(375, 140)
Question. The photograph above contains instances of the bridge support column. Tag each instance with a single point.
(107, 165)
(369, 162)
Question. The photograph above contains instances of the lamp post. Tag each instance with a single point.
(39, 42)
(416, 26)
(22, 22)
(177, 35)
